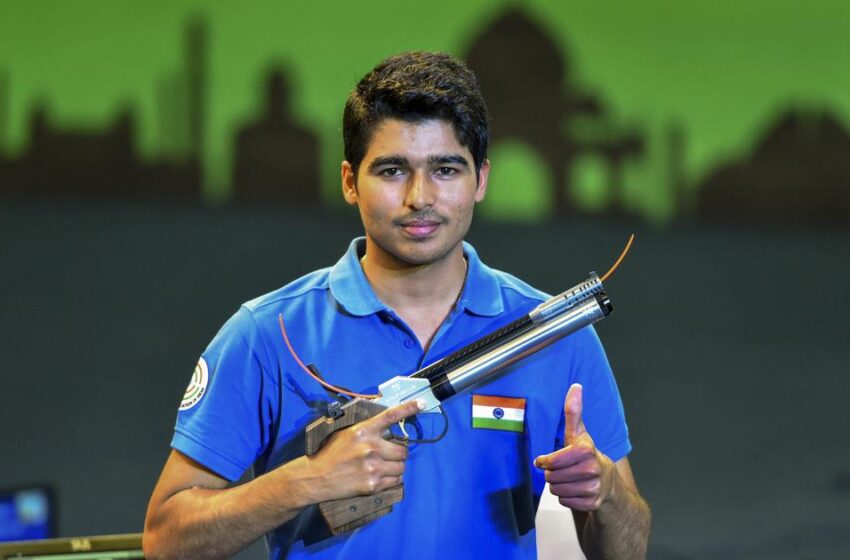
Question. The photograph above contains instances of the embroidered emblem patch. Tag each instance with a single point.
(498, 413)
(197, 386)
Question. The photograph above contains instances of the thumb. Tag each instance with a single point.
(573, 424)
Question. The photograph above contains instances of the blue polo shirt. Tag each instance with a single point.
(473, 494)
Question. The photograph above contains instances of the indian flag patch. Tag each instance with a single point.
(498, 413)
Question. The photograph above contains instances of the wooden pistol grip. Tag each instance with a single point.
(347, 514)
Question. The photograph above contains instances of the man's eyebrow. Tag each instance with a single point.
(448, 158)
(387, 160)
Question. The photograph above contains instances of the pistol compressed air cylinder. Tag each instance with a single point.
(550, 321)
(545, 332)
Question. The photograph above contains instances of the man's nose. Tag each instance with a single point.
(422, 192)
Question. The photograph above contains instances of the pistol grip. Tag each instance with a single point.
(347, 514)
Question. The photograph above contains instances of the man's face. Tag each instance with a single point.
(416, 189)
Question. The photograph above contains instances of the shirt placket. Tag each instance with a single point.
(403, 339)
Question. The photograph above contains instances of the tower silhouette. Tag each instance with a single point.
(4, 113)
(195, 61)
(276, 159)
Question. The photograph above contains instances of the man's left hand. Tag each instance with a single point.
(579, 474)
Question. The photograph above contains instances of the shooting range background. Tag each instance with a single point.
(136, 213)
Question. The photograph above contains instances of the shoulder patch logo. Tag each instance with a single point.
(197, 386)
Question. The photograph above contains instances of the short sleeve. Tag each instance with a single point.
(225, 418)
(602, 408)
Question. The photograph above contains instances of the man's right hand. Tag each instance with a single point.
(193, 513)
(358, 461)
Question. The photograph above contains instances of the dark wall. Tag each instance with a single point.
(729, 346)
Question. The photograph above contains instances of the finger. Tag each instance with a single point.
(396, 414)
(582, 489)
(392, 469)
(580, 504)
(392, 451)
(389, 482)
(565, 457)
(573, 424)
(585, 470)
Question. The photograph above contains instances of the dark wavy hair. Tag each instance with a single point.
(414, 87)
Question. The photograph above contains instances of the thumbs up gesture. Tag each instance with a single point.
(578, 474)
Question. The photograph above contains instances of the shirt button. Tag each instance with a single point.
(408, 343)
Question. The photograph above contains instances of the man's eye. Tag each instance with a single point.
(390, 171)
(446, 171)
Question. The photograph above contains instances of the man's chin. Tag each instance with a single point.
(413, 252)
(421, 252)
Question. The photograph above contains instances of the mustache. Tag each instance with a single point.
(427, 215)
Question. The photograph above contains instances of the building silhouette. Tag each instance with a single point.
(276, 160)
(533, 98)
(105, 164)
(195, 64)
(4, 111)
(798, 172)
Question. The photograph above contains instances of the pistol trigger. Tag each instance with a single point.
(391, 435)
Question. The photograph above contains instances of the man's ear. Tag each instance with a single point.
(483, 176)
(349, 183)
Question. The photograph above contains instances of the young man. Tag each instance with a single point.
(415, 131)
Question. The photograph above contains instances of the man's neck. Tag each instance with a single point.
(421, 295)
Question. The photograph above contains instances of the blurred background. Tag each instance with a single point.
(162, 162)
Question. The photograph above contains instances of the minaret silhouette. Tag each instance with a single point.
(4, 113)
(276, 159)
(195, 61)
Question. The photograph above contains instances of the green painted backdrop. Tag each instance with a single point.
(719, 70)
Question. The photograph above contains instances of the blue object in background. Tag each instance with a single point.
(26, 513)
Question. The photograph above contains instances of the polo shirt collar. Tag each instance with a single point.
(349, 285)
(482, 294)
(351, 289)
